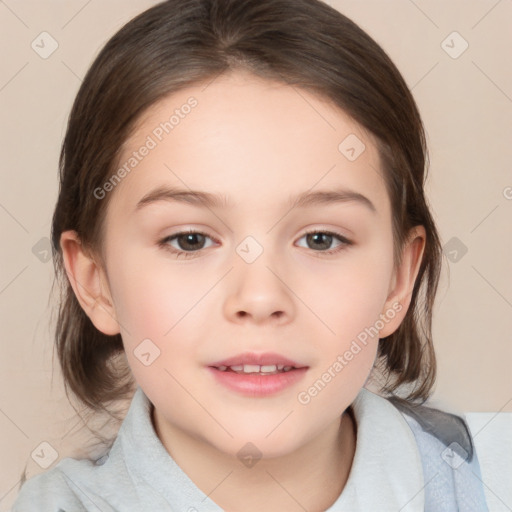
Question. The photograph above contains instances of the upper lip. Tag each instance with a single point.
(263, 359)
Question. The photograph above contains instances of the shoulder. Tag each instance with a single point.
(73, 485)
(50, 491)
(450, 430)
(451, 470)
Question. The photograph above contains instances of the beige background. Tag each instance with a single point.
(466, 104)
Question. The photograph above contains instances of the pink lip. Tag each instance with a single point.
(267, 358)
(256, 385)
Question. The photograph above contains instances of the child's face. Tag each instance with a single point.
(259, 145)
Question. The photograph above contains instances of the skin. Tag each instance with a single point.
(258, 143)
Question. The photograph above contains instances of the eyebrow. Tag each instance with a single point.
(209, 200)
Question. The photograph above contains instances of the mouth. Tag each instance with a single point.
(267, 363)
(245, 369)
(257, 374)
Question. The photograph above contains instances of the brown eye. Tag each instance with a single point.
(321, 241)
(185, 243)
(190, 241)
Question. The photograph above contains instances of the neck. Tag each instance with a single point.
(311, 478)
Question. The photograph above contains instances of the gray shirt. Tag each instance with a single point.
(138, 474)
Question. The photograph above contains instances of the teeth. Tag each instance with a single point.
(255, 368)
(252, 368)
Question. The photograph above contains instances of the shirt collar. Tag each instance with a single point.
(146, 458)
(386, 472)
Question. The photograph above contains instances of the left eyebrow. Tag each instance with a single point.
(331, 197)
(209, 200)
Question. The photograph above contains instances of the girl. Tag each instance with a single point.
(245, 247)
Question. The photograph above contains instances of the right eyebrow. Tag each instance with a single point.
(193, 197)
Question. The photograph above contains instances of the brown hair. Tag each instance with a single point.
(178, 43)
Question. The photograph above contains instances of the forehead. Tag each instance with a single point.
(256, 142)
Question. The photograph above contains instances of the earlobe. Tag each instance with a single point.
(404, 279)
(87, 279)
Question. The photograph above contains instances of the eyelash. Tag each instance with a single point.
(164, 243)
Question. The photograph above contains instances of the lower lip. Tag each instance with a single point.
(254, 384)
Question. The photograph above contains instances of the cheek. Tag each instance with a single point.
(349, 302)
(158, 312)
(350, 295)
(349, 298)
(162, 309)
(151, 300)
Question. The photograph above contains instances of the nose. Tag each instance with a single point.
(257, 293)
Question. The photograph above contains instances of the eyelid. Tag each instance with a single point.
(186, 232)
(328, 231)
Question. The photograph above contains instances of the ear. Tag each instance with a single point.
(402, 283)
(89, 283)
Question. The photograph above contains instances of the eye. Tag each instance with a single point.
(188, 242)
(323, 240)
